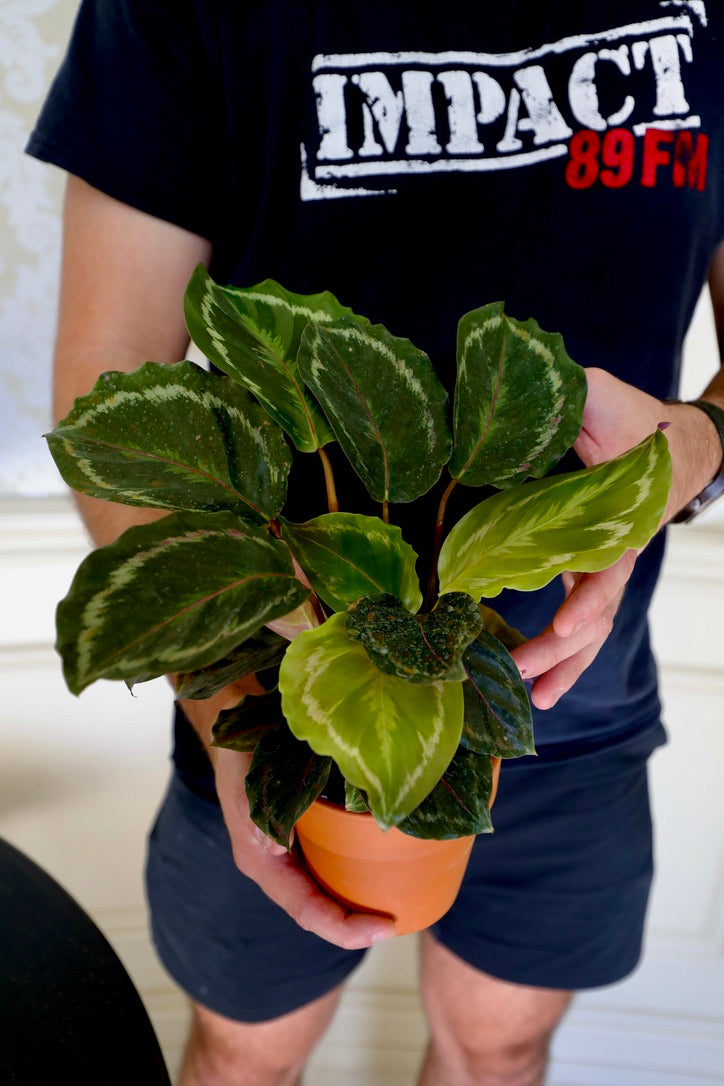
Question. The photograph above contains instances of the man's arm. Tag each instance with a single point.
(123, 277)
(616, 417)
(121, 304)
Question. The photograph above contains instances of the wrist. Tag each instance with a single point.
(703, 457)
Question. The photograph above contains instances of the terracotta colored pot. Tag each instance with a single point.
(383, 871)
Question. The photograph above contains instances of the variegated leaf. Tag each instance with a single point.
(390, 738)
(583, 521)
(417, 648)
(173, 437)
(284, 778)
(459, 804)
(257, 653)
(172, 596)
(348, 555)
(253, 334)
(498, 717)
(384, 402)
(518, 399)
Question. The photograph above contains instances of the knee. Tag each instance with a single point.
(482, 1060)
(212, 1060)
(520, 1063)
(212, 1066)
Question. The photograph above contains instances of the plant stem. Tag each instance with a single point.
(437, 543)
(332, 503)
(386, 511)
(317, 607)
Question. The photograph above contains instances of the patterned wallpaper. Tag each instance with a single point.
(33, 34)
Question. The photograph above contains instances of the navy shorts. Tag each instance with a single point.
(556, 897)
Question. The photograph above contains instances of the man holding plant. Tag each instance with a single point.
(195, 159)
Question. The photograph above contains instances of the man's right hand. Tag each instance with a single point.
(280, 874)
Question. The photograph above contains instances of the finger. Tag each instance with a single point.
(288, 883)
(593, 594)
(551, 686)
(544, 652)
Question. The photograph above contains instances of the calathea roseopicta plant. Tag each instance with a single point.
(408, 688)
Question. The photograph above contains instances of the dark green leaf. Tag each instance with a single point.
(172, 596)
(459, 804)
(242, 727)
(284, 778)
(384, 402)
(498, 718)
(518, 399)
(253, 334)
(417, 648)
(173, 437)
(263, 650)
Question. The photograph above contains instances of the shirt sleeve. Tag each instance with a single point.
(134, 110)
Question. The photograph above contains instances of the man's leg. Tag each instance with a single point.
(221, 1052)
(484, 1032)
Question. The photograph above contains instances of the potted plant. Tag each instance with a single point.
(402, 687)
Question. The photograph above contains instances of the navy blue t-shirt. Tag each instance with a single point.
(420, 160)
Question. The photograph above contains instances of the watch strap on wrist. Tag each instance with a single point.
(715, 488)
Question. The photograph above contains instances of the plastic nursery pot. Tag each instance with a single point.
(383, 871)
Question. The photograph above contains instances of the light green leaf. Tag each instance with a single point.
(583, 521)
(253, 334)
(384, 402)
(389, 738)
(172, 596)
(417, 648)
(518, 399)
(348, 555)
(173, 437)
